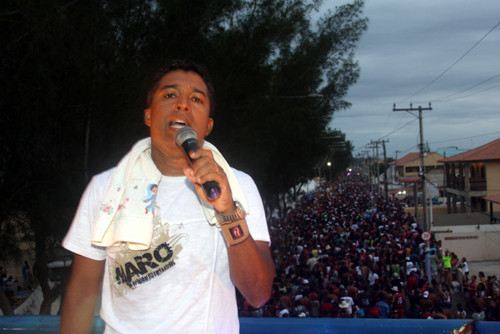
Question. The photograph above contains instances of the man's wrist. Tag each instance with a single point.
(235, 232)
(233, 225)
(237, 213)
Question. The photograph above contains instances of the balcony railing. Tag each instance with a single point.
(459, 184)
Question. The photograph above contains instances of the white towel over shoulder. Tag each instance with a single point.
(123, 215)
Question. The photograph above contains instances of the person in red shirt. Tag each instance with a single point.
(398, 303)
(412, 281)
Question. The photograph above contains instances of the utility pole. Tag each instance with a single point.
(376, 143)
(377, 171)
(385, 170)
(396, 171)
(372, 170)
(426, 226)
(364, 155)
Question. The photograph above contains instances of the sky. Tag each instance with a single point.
(446, 52)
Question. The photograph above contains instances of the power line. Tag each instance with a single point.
(463, 138)
(466, 89)
(449, 68)
(471, 94)
(404, 125)
(390, 133)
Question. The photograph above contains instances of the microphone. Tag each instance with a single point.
(186, 139)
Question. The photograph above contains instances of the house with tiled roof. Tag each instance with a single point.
(471, 176)
(408, 167)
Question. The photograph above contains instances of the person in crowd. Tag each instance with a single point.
(478, 313)
(398, 303)
(464, 266)
(461, 313)
(495, 286)
(27, 276)
(446, 259)
(345, 310)
(383, 307)
(426, 305)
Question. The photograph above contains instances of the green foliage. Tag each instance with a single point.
(15, 237)
(75, 75)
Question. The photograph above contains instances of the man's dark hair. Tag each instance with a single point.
(184, 65)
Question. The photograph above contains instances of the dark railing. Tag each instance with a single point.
(459, 184)
(478, 185)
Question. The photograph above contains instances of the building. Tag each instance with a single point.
(471, 176)
(450, 151)
(408, 167)
(472, 187)
(407, 172)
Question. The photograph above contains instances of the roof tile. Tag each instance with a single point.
(489, 151)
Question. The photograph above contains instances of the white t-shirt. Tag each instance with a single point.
(372, 278)
(182, 283)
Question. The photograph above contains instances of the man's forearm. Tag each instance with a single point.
(252, 270)
(82, 292)
(77, 314)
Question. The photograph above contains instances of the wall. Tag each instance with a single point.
(475, 242)
(436, 210)
(493, 181)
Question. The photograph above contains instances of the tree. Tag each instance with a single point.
(284, 59)
(55, 70)
(75, 76)
(15, 238)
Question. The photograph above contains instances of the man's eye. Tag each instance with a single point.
(170, 95)
(196, 99)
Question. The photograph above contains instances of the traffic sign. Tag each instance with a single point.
(426, 236)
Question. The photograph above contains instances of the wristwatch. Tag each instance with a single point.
(226, 218)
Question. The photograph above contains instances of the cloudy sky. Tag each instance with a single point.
(446, 52)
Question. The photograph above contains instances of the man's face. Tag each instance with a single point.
(180, 99)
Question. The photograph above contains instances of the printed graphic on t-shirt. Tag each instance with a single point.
(150, 198)
(130, 268)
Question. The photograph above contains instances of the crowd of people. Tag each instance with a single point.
(15, 291)
(347, 252)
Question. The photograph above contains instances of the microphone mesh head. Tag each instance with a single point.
(185, 133)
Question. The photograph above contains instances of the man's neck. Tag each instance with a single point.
(168, 165)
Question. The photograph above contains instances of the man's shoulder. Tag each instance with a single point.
(245, 180)
(240, 175)
(99, 182)
(103, 178)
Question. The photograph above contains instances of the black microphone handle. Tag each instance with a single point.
(211, 188)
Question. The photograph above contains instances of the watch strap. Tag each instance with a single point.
(235, 232)
(227, 218)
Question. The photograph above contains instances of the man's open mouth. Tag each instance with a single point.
(178, 124)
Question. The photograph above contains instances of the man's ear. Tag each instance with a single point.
(210, 126)
(147, 116)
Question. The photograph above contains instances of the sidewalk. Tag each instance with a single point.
(489, 268)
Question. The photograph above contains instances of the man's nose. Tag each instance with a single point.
(182, 104)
